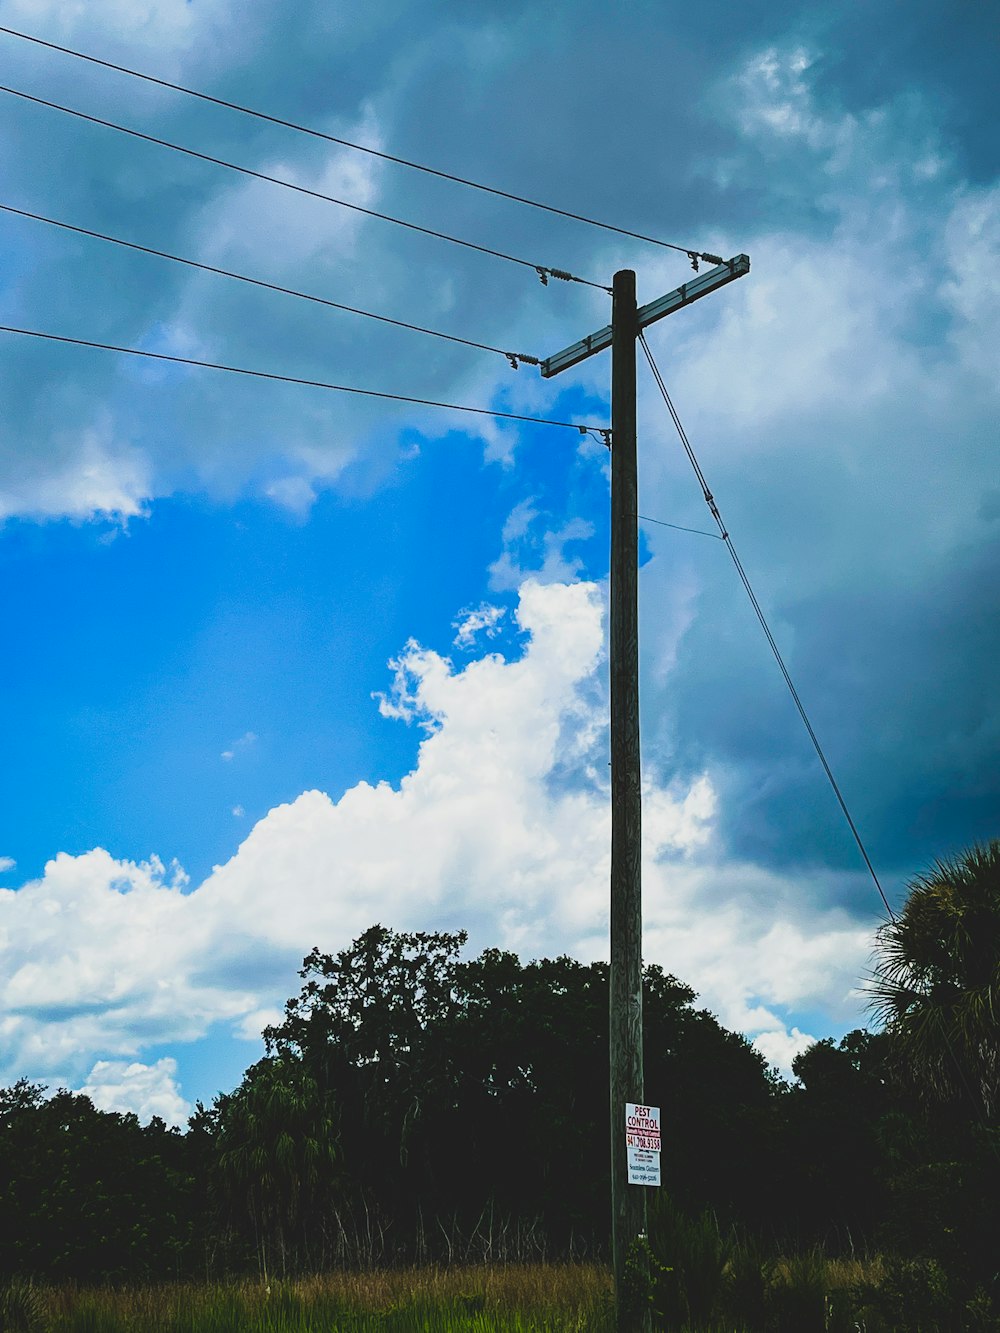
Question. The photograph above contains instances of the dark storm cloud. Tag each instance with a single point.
(607, 112)
(945, 54)
(574, 108)
(902, 688)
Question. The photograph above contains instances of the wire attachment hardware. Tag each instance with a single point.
(519, 359)
(694, 258)
(599, 433)
(560, 273)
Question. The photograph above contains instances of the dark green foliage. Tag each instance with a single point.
(936, 986)
(914, 1296)
(643, 1272)
(837, 1190)
(88, 1195)
(413, 1106)
(274, 1162)
(471, 1096)
(870, 1164)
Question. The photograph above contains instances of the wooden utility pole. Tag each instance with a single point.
(628, 1202)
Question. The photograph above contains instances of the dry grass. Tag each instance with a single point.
(565, 1287)
(556, 1296)
(839, 1274)
(804, 1292)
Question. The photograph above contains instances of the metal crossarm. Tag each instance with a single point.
(648, 314)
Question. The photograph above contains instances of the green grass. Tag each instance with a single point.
(803, 1292)
(536, 1298)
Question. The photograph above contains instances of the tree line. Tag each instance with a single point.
(414, 1106)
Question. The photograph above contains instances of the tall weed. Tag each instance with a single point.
(692, 1257)
(22, 1307)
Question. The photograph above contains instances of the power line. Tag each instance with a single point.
(599, 432)
(691, 252)
(710, 501)
(513, 357)
(544, 271)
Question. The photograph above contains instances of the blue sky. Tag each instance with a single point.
(224, 656)
(280, 663)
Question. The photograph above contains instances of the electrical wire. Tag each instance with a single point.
(700, 532)
(544, 271)
(513, 357)
(710, 501)
(599, 432)
(691, 252)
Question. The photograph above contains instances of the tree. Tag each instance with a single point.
(276, 1157)
(835, 1134)
(936, 988)
(89, 1195)
(936, 984)
(472, 1101)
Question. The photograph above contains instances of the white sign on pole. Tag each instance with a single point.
(642, 1143)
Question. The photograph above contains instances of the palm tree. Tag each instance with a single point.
(936, 983)
(277, 1155)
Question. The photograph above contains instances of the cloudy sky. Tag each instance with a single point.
(279, 663)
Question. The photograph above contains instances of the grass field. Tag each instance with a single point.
(804, 1293)
(554, 1298)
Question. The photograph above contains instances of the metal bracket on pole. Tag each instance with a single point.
(648, 314)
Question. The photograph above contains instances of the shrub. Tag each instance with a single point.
(915, 1295)
(798, 1293)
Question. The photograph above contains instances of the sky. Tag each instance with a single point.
(280, 663)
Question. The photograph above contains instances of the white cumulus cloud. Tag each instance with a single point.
(103, 959)
(483, 619)
(780, 1047)
(145, 1090)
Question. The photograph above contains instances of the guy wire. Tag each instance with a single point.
(710, 501)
